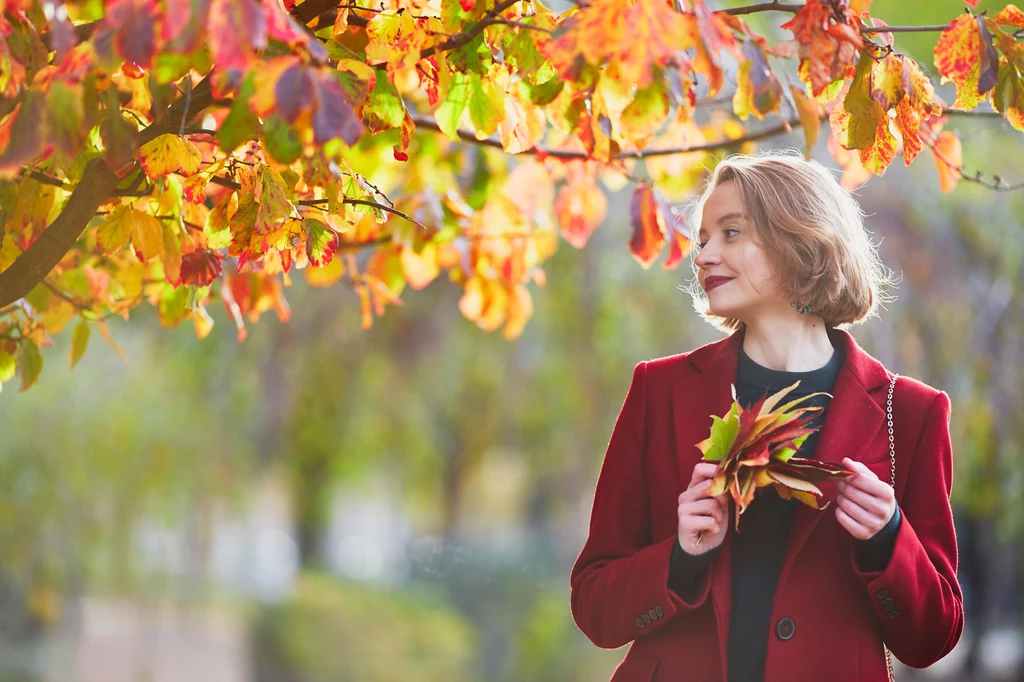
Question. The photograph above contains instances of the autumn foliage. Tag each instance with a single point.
(191, 152)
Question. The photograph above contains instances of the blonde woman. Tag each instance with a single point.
(784, 265)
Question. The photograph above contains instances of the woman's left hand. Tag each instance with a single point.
(865, 503)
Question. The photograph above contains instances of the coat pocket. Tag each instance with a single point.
(636, 670)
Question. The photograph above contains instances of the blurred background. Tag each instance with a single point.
(405, 503)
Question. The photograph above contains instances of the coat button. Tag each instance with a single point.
(639, 622)
(653, 614)
(785, 628)
(888, 605)
(659, 611)
(894, 614)
(647, 619)
(882, 594)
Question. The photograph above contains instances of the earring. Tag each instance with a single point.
(800, 308)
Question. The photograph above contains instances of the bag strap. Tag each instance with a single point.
(892, 469)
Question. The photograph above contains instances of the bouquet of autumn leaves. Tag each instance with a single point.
(754, 448)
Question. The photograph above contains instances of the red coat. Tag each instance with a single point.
(837, 615)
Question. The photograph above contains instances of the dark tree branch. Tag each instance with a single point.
(97, 184)
(466, 37)
(764, 7)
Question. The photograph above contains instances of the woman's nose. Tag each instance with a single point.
(707, 255)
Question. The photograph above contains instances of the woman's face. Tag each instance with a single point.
(728, 250)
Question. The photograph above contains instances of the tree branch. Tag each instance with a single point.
(764, 7)
(464, 38)
(97, 184)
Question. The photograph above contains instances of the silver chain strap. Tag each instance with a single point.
(892, 469)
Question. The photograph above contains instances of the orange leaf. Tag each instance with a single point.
(880, 154)
(949, 159)
(830, 45)
(1010, 15)
(648, 225)
(580, 208)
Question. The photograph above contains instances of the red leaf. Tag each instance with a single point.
(135, 23)
(679, 242)
(648, 225)
(467, 5)
(831, 45)
(26, 135)
(199, 268)
(183, 24)
(236, 28)
(291, 92)
(333, 116)
(282, 27)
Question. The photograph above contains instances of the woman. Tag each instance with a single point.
(796, 594)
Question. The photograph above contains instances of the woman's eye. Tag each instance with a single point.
(729, 229)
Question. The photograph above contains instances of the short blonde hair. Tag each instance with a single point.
(812, 230)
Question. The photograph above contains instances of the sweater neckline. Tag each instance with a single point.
(811, 381)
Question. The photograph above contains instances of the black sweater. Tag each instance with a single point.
(759, 548)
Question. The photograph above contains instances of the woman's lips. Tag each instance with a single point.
(714, 282)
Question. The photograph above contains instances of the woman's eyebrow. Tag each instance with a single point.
(725, 218)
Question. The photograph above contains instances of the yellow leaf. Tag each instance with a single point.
(810, 117)
(327, 275)
(9, 251)
(147, 234)
(115, 230)
(168, 154)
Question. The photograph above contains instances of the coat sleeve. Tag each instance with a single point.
(620, 580)
(917, 598)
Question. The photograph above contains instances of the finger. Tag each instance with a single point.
(706, 506)
(859, 467)
(703, 523)
(871, 485)
(875, 505)
(852, 527)
(703, 470)
(870, 521)
(694, 492)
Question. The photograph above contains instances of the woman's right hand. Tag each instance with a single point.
(700, 515)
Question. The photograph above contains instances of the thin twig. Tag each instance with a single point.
(904, 29)
(764, 7)
(520, 24)
(467, 37)
(974, 177)
(365, 202)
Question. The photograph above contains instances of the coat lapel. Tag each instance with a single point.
(853, 427)
(694, 400)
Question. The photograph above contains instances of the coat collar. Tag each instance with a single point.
(853, 427)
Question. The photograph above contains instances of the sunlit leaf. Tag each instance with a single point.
(168, 154)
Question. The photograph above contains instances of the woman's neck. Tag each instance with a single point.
(788, 346)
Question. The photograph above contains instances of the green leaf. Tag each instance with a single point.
(858, 99)
(8, 365)
(281, 140)
(486, 106)
(723, 434)
(64, 104)
(522, 54)
(449, 114)
(647, 111)
(384, 109)
(546, 92)
(321, 242)
(31, 365)
(241, 124)
(79, 341)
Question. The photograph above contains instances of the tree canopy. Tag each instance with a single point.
(188, 152)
